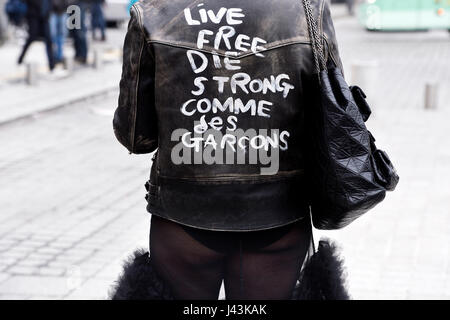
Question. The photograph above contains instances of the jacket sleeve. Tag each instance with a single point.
(135, 123)
(331, 50)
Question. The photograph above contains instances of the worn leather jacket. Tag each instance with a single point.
(219, 88)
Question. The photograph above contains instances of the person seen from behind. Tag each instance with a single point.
(37, 19)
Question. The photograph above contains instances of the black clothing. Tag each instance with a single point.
(253, 265)
(37, 18)
(244, 68)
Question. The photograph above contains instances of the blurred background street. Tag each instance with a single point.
(72, 199)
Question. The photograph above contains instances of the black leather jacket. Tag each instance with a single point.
(241, 70)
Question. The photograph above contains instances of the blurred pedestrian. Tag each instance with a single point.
(350, 6)
(37, 18)
(58, 28)
(79, 34)
(98, 19)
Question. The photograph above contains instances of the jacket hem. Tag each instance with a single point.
(229, 206)
(261, 228)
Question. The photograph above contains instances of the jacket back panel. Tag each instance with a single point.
(228, 68)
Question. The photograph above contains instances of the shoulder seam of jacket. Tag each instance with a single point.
(242, 56)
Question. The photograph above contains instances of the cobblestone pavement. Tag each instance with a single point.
(72, 203)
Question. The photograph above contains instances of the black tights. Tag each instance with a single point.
(253, 265)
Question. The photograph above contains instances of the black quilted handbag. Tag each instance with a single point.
(348, 174)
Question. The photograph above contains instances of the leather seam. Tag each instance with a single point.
(330, 51)
(162, 215)
(182, 45)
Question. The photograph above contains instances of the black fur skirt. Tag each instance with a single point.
(322, 277)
